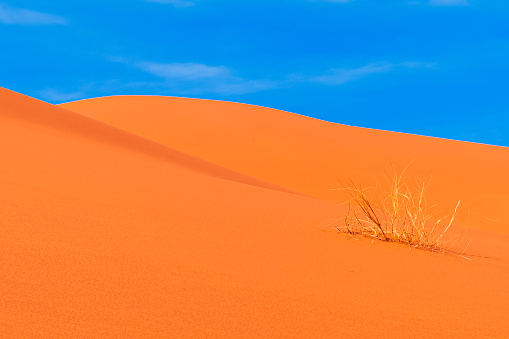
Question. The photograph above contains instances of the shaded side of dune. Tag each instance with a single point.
(31, 111)
(309, 155)
(101, 238)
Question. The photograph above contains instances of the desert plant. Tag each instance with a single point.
(401, 214)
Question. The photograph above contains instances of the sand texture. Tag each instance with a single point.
(164, 217)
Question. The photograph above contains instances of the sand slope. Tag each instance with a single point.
(308, 155)
(107, 234)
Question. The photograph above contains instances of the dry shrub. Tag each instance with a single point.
(401, 214)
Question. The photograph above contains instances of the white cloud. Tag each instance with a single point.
(440, 2)
(193, 78)
(55, 95)
(449, 2)
(239, 86)
(339, 76)
(176, 3)
(19, 16)
(336, 1)
(85, 90)
(185, 71)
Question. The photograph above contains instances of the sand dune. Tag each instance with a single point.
(108, 234)
(308, 155)
(49, 117)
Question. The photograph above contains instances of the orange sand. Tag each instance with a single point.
(177, 218)
(309, 155)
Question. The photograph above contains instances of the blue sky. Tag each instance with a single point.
(429, 67)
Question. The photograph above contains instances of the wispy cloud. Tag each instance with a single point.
(55, 95)
(20, 16)
(440, 2)
(185, 71)
(176, 3)
(449, 2)
(195, 78)
(339, 76)
(337, 1)
(84, 90)
(239, 86)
